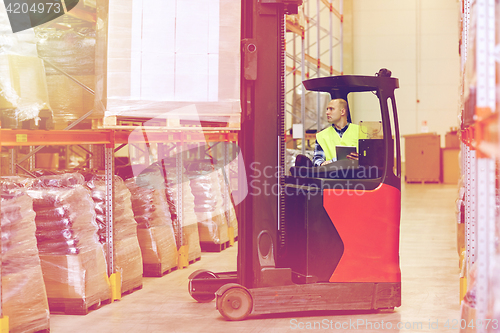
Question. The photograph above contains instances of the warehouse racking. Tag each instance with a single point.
(314, 48)
(480, 156)
(100, 144)
(114, 140)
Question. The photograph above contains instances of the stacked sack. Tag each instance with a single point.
(128, 258)
(24, 299)
(187, 233)
(209, 207)
(154, 224)
(73, 261)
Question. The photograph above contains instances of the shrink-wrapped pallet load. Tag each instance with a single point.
(228, 205)
(136, 76)
(73, 261)
(74, 53)
(128, 258)
(154, 229)
(209, 208)
(24, 99)
(187, 233)
(24, 299)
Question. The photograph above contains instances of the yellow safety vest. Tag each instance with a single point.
(329, 139)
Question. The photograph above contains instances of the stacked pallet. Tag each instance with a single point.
(73, 262)
(187, 233)
(232, 221)
(209, 208)
(24, 299)
(128, 258)
(154, 230)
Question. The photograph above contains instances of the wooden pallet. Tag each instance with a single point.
(132, 289)
(422, 181)
(212, 247)
(194, 260)
(227, 122)
(71, 306)
(155, 270)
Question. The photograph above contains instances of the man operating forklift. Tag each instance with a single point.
(341, 133)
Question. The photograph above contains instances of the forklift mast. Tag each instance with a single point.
(262, 135)
(332, 255)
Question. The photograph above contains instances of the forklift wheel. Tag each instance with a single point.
(201, 274)
(235, 303)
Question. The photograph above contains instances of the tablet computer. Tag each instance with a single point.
(343, 151)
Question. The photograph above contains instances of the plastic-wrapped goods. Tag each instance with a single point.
(24, 299)
(154, 229)
(71, 51)
(209, 208)
(23, 89)
(189, 225)
(73, 261)
(74, 53)
(65, 215)
(128, 258)
(228, 207)
(146, 90)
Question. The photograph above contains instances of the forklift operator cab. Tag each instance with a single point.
(343, 218)
(338, 245)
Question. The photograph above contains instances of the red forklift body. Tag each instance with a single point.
(370, 234)
(310, 238)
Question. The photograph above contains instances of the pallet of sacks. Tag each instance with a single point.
(209, 206)
(24, 299)
(232, 221)
(72, 259)
(154, 224)
(128, 257)
(187, 235)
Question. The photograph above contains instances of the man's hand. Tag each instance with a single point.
(326, 162)
(353, 156)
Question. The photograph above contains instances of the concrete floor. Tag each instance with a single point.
(430, 287)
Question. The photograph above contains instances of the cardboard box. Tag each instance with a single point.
(68, 100)
(190, 233)
(422, 157)
(212, 227)
(451, 140)
(82, 276)
(24, 301)
(128, 261)
(47, 161)
(450, 165)
(158, 246)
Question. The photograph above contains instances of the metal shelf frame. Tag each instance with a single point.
(481, 151)
(314, 49)
(109, 139)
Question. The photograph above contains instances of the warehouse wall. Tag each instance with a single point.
(418, 41)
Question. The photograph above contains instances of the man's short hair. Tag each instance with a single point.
(343, 105)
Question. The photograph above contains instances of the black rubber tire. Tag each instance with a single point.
(202, 274)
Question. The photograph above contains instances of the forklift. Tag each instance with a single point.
(326, 238)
